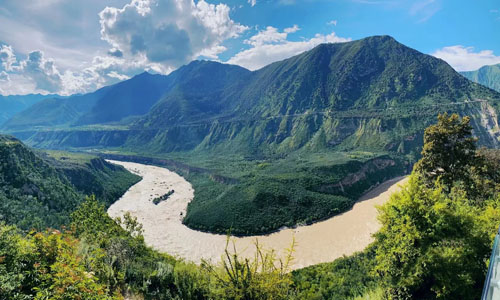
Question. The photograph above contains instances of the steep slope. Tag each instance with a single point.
(373, 93)
(11, 105)
(129, 98)
(298, 140)
(38, 192)
(336, 95)
(54, 112)
(488, 76)
(114, 103)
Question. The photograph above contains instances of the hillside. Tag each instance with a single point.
(110, 104)
(38, 191)
(11, 105)
(488, 76)
(336, 96)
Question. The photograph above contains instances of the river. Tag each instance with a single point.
(324, 241)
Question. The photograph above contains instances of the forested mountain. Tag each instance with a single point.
(335, 96)
(11, 105)
(38, 191)
(488, 76)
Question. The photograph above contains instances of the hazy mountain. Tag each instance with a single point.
(114, 103)
(488, 76)
(11, 105)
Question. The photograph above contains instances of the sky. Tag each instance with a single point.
(78, 46)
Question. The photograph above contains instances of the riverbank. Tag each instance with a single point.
(320, 242)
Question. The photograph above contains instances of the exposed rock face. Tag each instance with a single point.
(369, 169)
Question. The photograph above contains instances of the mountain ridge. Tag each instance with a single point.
(330, 83)
(488, 76)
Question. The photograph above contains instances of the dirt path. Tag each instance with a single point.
(324, 241)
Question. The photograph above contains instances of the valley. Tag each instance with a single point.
(321, 242)
(362, 168)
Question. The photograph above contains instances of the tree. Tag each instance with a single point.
(449, 150)
(433, 244)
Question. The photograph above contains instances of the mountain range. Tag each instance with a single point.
(335, 96)
(11, 105)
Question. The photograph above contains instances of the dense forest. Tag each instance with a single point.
(41, 189)
(434, 243)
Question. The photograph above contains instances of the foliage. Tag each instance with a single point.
(449, 150)
(344, 278)
(39, 192)
(433, 244)
(45, 265)
(264, 277)
(437, 233)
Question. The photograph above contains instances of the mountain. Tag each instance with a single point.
(371, 93)
(488, 76)
(335, 96)
(11, 105)
(38, 191)
(114, 103)
(294, 142)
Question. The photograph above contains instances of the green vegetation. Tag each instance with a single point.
(267, 194)
(345, 278)
(99, 259)
(162, 198)
(436, 233)
(37, 191)
(488, 76)
(434, 243)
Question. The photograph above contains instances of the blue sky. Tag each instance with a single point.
(68, 46)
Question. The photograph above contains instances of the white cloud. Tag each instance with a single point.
(252, 2)
(170, 32)
(42, 71)
(465, 59)
(270, 45)
(332, 22)
(4, 76)
(7, 57)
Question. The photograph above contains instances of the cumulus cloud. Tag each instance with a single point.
(465, 59)
(169, 32)
(270, 45)
(7, 57)
(42, 71)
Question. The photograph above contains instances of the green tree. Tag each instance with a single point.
(449, 150)
(432, 244)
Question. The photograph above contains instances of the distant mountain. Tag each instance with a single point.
(133, 97)
(11, 105)
(488, 76)
(374, 93)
